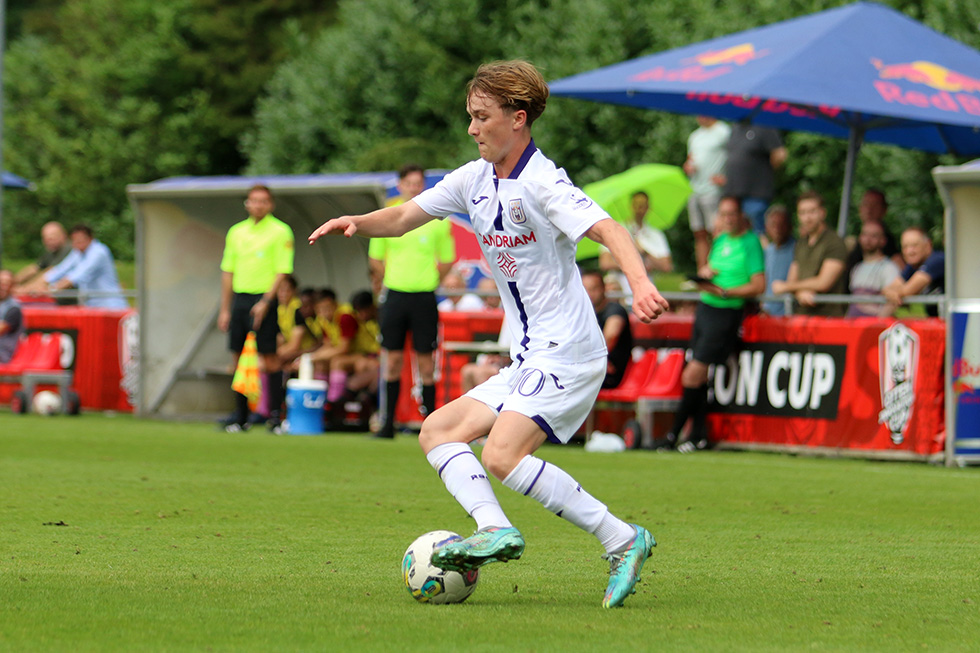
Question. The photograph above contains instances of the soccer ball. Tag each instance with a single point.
(47, 403)
(428, 584)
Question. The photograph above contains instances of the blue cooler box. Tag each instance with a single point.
(304, 407)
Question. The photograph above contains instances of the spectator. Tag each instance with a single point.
(818, 260)
(30, 278)
(298, 327)
(328, 314)
(412, 267)
(258, 255)
(873, 274)
(11, 317)
(354, 365)
(779, 253)
(488, 292)
(924, 272)
(459, 300)
(734, 273)
(89, 268)
(650, 242)
(614, 322)
(707, 152)
(486, 366)
(873, 208)
(754, 155)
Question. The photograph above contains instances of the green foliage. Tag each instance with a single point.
(102, 93)
(97, 109)
(392, 71)
(122, 534)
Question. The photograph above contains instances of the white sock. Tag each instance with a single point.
(614, 534)
(561, 494)
(467, 481)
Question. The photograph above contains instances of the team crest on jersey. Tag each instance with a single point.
(517, 214)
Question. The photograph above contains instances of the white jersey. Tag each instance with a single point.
(528, 226)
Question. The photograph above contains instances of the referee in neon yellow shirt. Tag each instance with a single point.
(258, 255)
(412, 267)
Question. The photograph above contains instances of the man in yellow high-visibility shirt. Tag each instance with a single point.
(258, 255)
(412, 267)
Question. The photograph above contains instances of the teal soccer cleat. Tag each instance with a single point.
(624, 568)
(480, 548)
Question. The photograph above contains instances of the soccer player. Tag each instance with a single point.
(528, 218)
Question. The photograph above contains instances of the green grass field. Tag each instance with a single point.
(118, 535)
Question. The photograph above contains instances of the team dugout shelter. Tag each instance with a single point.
(181, 224)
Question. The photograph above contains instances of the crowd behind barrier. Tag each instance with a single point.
(798, 382)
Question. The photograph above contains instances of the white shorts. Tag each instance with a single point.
(556, 394)
(701, 211)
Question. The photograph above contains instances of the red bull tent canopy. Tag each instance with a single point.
(863, 72)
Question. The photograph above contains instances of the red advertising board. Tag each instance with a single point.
(103, 355)
(798, 381)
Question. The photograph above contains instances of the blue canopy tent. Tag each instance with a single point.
(864, 72)
(10, 180)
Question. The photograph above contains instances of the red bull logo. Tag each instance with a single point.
(704, 66)
(955, 92)
(737, 54)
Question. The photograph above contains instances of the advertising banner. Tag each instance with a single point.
(966, 383)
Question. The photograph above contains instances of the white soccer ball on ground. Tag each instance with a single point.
(47, 402)
(428, 584)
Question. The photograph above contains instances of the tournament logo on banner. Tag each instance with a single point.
(781, 379)
(898, 363)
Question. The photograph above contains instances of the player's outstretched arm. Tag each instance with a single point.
(648, 303)
(388, 222)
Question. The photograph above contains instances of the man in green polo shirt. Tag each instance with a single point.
(258, 255)
(819, 261)
(412, 267)
(736, 271)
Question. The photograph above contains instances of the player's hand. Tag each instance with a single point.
(648, 303)
(343, 224)
(778, 287)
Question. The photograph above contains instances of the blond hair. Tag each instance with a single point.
(517, 85)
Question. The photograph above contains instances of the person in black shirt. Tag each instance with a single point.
(615, 324)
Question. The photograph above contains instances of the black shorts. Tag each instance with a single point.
(715, 334)
(409, 311)
(241, 324)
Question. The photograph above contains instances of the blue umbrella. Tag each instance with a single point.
(864, 72)
(10, 180)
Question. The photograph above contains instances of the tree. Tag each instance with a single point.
(101, 93)
(390, 71)
(96, 110)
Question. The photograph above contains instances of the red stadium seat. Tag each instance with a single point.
(48, 355)
(666, 382)
(25, 352)
(637, 374)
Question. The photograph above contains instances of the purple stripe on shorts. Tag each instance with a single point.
(451, 459)
(536, 477)
(547, 429)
